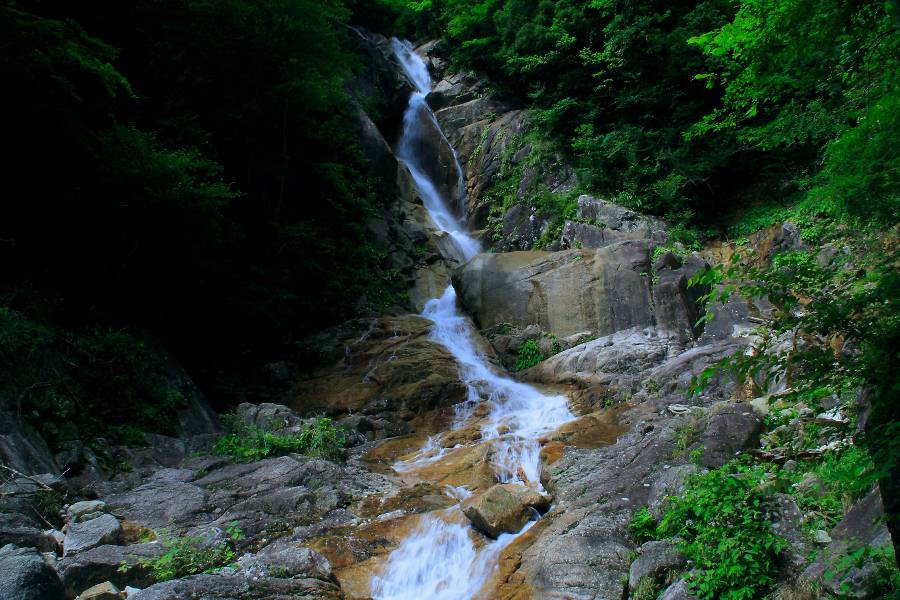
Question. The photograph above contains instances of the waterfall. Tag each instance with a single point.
(416, 118)
(440, 560)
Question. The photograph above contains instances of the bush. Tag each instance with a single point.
(529, 355)
(192, 555)
(720, 524)
(247, 443)
(642, 526)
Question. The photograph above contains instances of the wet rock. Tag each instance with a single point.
(379, 367)
(654, 561)
(103, 563)
(862, 527)
(99, 531)
(24, 575)
(101, 591)
(504, 508)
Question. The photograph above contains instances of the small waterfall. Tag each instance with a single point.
(439, 560)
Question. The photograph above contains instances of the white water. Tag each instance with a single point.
(439, 559)
(418, 115)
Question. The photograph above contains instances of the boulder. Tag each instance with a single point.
(227, 585)
(103, 563)
(101, 591)
(654, 561)
(601, 223)
(603, 291)
(25, 575)
(23, 531)
(85, 510)
(503, 508)
(157, 503)
(379, 367)
(287, 563)
(98, 531)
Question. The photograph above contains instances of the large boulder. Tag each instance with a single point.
(504, 508)
(98, 531)
(24, 575)
(387, 369)
(228, 585)
(602, 291)
(23, 531)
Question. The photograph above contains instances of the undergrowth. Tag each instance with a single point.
(247, 443)
(191, 555)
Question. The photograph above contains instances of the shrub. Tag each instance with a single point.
(192, 555)
(529, 355)
(642, 526)
(246, 443)
(720, 523)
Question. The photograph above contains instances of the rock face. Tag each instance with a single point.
(24, 575)
(599, 291)
(504, 508)
(103, 563)
(601, 223)
(386, 369)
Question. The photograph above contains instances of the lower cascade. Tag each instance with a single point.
(443, 558)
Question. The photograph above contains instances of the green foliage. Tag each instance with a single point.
(206, 170)
(192, 555)
(529, 355)
(642, 526)
(103, 382)
(322, 439)
(846, 476)
(719, 522)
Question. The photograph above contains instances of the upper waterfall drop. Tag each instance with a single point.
(417, 116)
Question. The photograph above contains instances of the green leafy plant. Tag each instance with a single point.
(529, 355)
(191, 555)
(720, 524)
(642, 525)
(248, 443)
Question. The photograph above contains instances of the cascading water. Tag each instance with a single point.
(439, 560)
(417, 116)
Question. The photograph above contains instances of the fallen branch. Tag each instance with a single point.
(37, 482)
